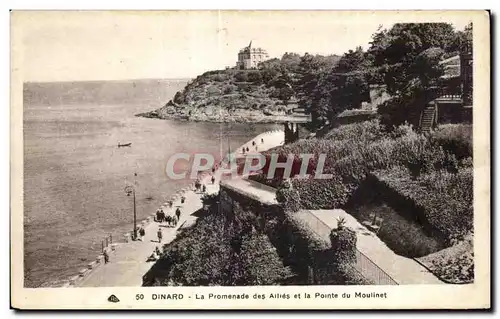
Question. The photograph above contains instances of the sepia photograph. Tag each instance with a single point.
(197, 157)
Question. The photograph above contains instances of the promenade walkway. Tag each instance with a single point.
(127, 264)
(401, 269)
(405, 271)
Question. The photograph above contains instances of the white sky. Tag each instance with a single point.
(67, 46)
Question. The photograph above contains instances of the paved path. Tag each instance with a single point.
(405, 271)
(128, 263)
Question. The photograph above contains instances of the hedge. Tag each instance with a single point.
(445, 206)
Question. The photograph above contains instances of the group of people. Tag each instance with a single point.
(199, 186)
(247, 149)
(170, 220)
(141, 232)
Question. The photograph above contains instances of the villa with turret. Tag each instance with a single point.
(249, 58)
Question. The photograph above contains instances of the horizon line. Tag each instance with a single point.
(110, 80)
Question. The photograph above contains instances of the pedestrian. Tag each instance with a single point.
(157, 251)
(253, 143)
(213, 180)
(168, 219)
(248, 150)
(160, 235)
(178, 213)
(204, 188)
(142, 232)
(183, 199)
(170, 203)
(157, 219)
(243, 150)
(262, 140)
(106, 256)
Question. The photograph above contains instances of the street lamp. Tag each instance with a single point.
(131, 190)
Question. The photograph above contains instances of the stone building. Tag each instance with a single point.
(249, 58)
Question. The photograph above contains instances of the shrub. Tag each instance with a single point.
(359, 132)
(404, 129)
(255, 77)
(229, 89)
(260, 262)
(213, 91)
(220, 77)
(343, 240)
(418, 154)
(288, 197)
(322, 193)
(456, 139)
(441, 199)
(241, 76)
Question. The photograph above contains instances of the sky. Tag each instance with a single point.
(104, 45)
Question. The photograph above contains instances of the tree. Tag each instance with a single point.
(408, 58)
(353, 60)
(255, 77)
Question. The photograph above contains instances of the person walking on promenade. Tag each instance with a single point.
(213, 180)
(178, 213)
(160, 235)
(243, 151)
(262, 140)
(142, 232)
(139, 236)
(204, 188)
(158, 214)
(248, 150)
(106, 256)
(183, 199)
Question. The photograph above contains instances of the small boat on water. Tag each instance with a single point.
(124, 145)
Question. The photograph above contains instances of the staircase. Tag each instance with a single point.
(427, 119)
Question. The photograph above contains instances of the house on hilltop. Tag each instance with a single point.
(249, 57)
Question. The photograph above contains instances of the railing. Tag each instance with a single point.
(370, 270)
(364, 265)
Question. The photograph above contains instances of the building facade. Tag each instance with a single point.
(249, 57)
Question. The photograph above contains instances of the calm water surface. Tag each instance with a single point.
(74, 173)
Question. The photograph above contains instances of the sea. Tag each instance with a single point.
(75, 173)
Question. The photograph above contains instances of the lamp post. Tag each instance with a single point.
(131, 190)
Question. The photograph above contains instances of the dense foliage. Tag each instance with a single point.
(219, 250)
(444, 199)
(428, 180)
(353, 151)
(407, 56)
